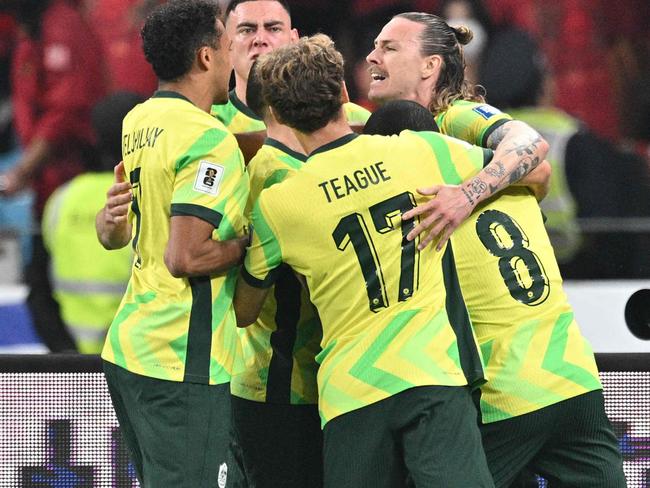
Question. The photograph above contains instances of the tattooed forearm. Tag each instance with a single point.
(474, 190)
(496, 172)
(518, 149)
(524, 167)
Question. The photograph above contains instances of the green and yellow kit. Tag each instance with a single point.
(278, 351)
(385, 307)
(238, 118)
(181, 162)
(534, 352)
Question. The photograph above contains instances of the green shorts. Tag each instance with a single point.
(281, 445)
(422, 437)
(570, 443)
(178, 434)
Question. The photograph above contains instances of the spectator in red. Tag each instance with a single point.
(117, 24)
(57, 77)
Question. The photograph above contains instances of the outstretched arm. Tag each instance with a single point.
(518, 149)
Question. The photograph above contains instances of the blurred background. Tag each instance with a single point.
(576, 70)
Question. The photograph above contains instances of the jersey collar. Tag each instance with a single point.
(341, 141)
(269, 141)
(169, 94)
(241, 106)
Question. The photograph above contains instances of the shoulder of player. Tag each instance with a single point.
(356, 113)
(262, 162)
(463, 107)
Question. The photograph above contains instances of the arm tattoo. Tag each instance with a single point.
(497, 136)
(476, 188)
(497, 172)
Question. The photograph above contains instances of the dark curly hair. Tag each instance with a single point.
(303, 82)
(174, 32)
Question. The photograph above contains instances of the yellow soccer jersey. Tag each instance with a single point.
(470, 121)
(534, 353)
(180, 161)
(236, 115)
(279, 350)
(391, 318)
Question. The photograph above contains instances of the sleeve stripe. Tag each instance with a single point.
(188, 209)
(256, 282)
(491, 129)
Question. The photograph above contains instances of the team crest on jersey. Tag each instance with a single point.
(486, 111)
(209, 178)
(223, 475)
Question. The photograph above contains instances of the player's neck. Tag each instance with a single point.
(283, 134)
(331, 132)
(199, 93)
(240, 88)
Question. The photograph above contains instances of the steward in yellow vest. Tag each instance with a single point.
(88, 281)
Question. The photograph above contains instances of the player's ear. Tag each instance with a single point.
(345, 96)
(431, 65)
(204, 58)
(294, 35)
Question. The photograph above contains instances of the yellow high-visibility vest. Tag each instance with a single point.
(88, 281)
(559, 206)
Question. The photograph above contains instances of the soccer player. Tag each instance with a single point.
(275, 398)
(417, 57)
(543, 407)
(169, 351)
(398, 356)
(257, 27)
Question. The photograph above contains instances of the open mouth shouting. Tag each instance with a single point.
(377, 76)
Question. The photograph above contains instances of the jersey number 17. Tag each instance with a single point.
(352, 229)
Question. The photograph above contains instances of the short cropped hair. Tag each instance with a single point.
(173, 33)
(254, 96)
(397, 115)
(234, 3)
(303, 82)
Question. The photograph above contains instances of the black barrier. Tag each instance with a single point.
(58, 429)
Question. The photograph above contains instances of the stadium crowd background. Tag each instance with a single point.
(595, 54)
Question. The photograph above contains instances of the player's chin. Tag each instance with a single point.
(379, 91)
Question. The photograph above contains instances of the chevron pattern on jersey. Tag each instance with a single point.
(535, 367)
(407, 352)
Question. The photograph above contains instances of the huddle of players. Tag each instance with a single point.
(358, 327)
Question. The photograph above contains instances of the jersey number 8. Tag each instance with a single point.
(521, 269)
